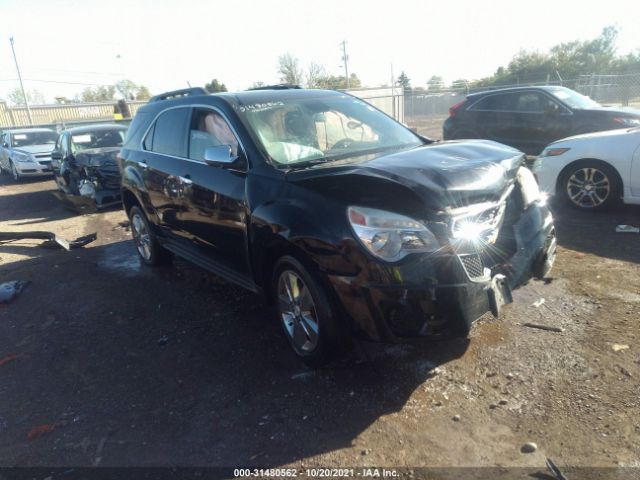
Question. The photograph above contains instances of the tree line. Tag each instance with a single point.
(563, 63)
(100, 93)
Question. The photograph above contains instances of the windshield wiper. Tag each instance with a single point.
(370, 151)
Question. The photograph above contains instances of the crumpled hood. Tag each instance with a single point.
(443, 174)
(35, 149)
(99, 157)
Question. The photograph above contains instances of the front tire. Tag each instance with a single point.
(590, 185)
(147, 246)
(306, 313)
(14, 172)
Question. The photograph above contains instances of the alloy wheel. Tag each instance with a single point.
(141, 236)
(588, 187)
(298, 312)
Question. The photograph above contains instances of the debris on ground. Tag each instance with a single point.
(529, 447)
(617, 347)
(627, 229)
(538, 303)
(543, 327)
(456, 418)
(51, 239)
(39, 430)
(7, 359)
(10, 290)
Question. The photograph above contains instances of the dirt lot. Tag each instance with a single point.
(429, 126)
(125, 365)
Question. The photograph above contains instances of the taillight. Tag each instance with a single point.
(453, 110)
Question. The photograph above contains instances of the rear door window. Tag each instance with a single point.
(170, 132)
(500, 102)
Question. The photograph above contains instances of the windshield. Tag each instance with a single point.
(97, 139)
(25, 139)
(295, 132)
(574, 99)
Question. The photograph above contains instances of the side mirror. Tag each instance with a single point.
(5, 144)
(220, 156)
(56, 155)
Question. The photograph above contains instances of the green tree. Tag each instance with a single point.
(102, 93)
(289, 69)
(215, 86)
(143, 93)
(569, 60)
(404, 81)
(435, 83)
(333, 82)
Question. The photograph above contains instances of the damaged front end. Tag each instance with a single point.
(491, 222)
(91, 180)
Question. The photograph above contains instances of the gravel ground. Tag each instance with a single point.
(105, 362)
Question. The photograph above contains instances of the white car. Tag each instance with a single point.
(27, 152)
(592, 171)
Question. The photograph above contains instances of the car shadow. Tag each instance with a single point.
(595, 232)
(172, 366)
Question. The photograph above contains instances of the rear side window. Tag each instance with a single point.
(170, 133)
(497, 103)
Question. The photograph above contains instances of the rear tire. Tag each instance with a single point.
(149, 249)
(306, 312)
(590, 185)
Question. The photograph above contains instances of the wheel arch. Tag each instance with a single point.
(129, 200)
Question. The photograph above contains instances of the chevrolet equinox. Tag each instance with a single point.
(347, 221)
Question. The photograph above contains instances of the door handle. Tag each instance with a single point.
(143, 164)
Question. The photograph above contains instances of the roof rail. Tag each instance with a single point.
(281, 86)
(185, 92)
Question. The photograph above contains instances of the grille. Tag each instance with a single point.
(473, 265)
(42, 155)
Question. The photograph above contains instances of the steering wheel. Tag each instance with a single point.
(343, 143)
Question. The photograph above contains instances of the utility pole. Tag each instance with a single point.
(345, 59)
(24, 94)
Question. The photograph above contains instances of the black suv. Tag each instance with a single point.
(342, 217)
(529, 118)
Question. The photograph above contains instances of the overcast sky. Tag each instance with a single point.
(165, 43)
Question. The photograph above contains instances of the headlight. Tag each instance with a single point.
(23, 157)
(529, 186)
(553, 152)
(390, 236)
(627, 121)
